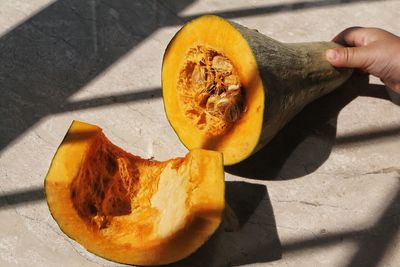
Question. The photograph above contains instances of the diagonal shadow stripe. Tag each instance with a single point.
(73, 41)
(289, 7)
(367, 136)
(56, 52)
(374, 241)
(373, 247)
(21, 197)
(111, 100)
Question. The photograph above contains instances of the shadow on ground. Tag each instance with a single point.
(13, 199)
(53, 54)
(306, 141)
(278, 8)
(256, 240)
(373, 242)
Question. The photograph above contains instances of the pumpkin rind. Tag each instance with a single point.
(176, 206)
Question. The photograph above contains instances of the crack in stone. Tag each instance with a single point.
(314, 204)
(54, 36)
(66, 239)
(379, 171)
(385, 170)
(49, 227)
(141, 113)
(41, 138)
(74, 10)
(26, 216)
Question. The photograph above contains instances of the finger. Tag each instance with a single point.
(348, 37)
(349, 57)
(355, 36)
(395, 86)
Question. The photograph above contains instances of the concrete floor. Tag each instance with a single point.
(324, 192)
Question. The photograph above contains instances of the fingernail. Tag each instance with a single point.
(331, 55)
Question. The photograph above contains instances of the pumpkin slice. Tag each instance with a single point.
(231, 89)
(132, 210)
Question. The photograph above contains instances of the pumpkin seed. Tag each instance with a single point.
(217, 95)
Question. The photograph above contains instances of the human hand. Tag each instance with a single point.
(371, 50)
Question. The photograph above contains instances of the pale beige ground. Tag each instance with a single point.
(324, 193)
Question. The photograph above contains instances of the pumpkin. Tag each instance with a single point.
(132, 210)
(231, 89)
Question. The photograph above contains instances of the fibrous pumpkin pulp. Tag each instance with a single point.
(231, 89)
(132, 210)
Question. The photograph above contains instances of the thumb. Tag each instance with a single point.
(348, 57)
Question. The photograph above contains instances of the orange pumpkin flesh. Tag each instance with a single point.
(128, 209)
(217, 38)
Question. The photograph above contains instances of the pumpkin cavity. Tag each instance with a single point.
(105, 184)
(210, 90)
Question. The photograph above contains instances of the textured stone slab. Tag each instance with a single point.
(324, 192)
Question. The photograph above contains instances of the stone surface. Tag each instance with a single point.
(324, 192)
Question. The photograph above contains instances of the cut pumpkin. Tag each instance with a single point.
(231, 89)
(128, 209)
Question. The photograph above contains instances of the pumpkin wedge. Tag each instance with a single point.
(231, 89)
(132, 210)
